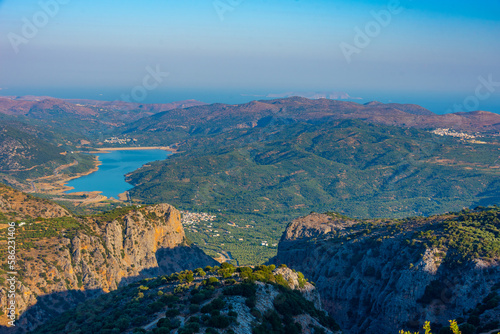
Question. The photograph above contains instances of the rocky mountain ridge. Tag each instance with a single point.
(63, 259)
(27, 105)
(380, 276)
(222, 117)
(222, 299)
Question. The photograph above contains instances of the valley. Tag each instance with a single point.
(249, 167)
(260, 164)
(332, 189)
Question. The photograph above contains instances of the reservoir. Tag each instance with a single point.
(110, 178)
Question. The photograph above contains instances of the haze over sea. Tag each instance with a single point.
(437, 102)
(110, 178)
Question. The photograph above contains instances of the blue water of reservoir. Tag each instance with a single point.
(110, 178)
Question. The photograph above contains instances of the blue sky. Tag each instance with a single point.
(89, 48)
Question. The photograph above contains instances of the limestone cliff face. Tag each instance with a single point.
(58, 272)
(379, 281)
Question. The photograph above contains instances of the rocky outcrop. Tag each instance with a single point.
(102, 254)
(379, 277)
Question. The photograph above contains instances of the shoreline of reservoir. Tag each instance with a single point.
(133, 148)
(113, 174)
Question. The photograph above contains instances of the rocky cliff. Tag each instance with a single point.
(63, 259)
(380, 276)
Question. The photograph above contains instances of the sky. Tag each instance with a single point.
(435, 53)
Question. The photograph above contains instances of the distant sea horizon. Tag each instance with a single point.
(437, 102)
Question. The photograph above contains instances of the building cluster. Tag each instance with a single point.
(193, 218)
(116, 140)
(453, 133)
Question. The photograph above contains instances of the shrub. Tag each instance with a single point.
(194, 308)
(211, 281)
(190, 328)
(244, 290)
(173, 312)
(155, 307)
(216, 304)
(467, 329)
(164, 322)
(220, 321)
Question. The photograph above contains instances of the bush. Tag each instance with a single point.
(216, 304)
(445, 330)
(139, 330)
(227, 265)
(155, 307)
(164, 322)
(173, 312)
(123, 323)
(270, 324)
(194, 319)
(198, 298)
(244, 290)
(220, 321)
(211, 281)
(282, 281)
(169, 299)
(190, 328)
(251, 301)
(467, 329)
(287, 305)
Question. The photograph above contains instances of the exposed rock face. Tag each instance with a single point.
(375, 282)
(58, 272)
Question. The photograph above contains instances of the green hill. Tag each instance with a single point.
(267, 175)
(27, 152)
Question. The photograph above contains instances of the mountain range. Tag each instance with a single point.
(216, 117)
(266, 162)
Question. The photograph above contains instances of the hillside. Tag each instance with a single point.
(379, 276)
(260, 164)
(209, 300)
(219, 117)
(28, 152)
(86, 117)
(268, 175)
(62, 259)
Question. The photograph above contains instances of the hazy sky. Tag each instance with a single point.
(248, 46)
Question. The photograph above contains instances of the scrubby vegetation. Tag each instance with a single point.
(29, 152)
(468, 235)
(190, 301)
(265, 177)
